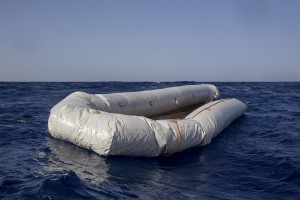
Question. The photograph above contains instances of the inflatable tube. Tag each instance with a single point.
(94, 122)
(145, 103)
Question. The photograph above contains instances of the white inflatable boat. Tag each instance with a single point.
(146, 123)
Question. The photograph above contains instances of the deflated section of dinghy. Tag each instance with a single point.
(93, 122)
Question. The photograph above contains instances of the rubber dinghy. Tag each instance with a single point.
(144, 123)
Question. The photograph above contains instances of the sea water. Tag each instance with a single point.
(256, 157)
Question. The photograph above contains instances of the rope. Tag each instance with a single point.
(27, 121)
(178, 138)
(207, 108)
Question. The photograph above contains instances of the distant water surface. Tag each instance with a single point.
(257, 157)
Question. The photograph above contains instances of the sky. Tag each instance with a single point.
(150, 40)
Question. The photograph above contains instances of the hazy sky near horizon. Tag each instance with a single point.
(154, 40)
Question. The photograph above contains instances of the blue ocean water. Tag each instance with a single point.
(257, 157)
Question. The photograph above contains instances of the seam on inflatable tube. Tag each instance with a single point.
(104, 99)
(178, 138)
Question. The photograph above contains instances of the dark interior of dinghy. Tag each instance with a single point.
(177, 114)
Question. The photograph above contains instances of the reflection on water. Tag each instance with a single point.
(90, 166)
(68, 157)
(126, 173)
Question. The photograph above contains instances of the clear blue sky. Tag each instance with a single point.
(139, 40)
